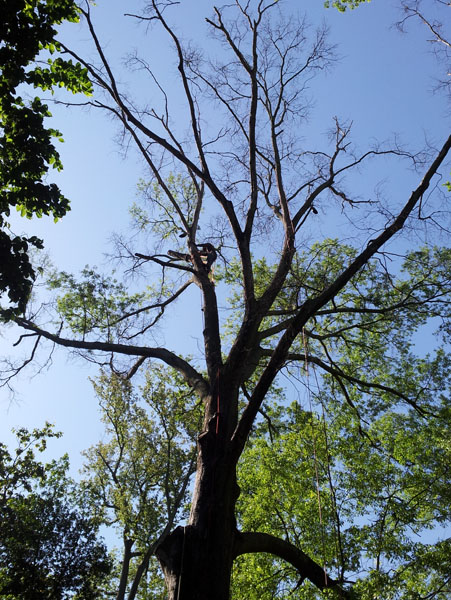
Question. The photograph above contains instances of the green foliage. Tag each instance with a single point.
(379, 462)
(48, 542)
(377, 441)
(138, 477)
(362, 510)
(342, 5)
(95, 303)
(375, 316)
(27, 29)
(157, 213)
(61, 73)
(379, 455)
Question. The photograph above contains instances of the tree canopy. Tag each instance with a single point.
(324, 495)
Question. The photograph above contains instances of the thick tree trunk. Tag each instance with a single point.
(197, 559)
(197, 566)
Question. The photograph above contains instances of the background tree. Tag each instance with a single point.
(250, 186)
(49, 546)
(138, 478)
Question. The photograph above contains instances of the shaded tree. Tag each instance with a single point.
(250, 185)
(49, 546)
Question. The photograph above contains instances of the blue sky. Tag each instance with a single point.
(383, 82)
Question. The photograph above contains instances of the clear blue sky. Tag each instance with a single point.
(383, 82)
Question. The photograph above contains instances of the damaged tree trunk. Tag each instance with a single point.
(197, 564)
(197, 558)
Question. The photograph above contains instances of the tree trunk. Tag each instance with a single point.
(196, 566)
(197, 559)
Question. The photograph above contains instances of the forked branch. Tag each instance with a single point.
(312, 305)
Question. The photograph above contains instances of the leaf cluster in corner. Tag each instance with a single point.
(27, 152)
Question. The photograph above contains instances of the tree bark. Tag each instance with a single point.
(128, 544)
(197, 566)
(197, 559)
(248, 542)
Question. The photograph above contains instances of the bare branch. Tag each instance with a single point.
(313, 305)
(194, 378)
(6, 379)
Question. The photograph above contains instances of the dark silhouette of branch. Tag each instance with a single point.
(192, 376)
(249, 542)
(313, 305)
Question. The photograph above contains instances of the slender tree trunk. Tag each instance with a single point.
(128, 544)
(197, 559)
